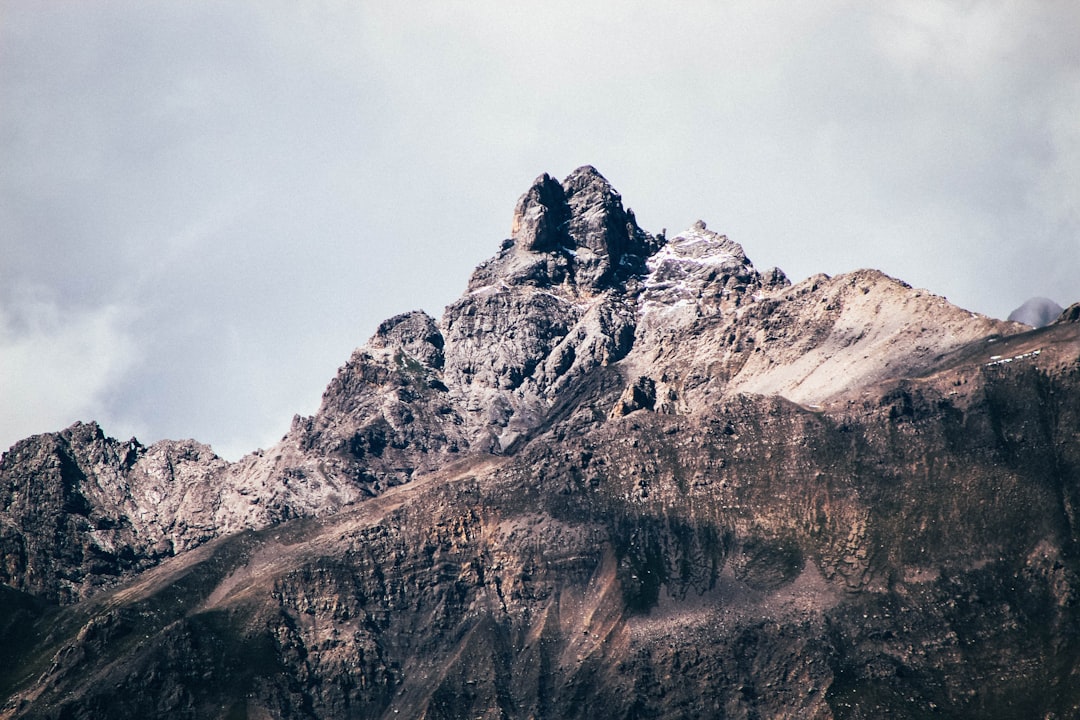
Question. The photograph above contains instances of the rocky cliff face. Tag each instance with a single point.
(623, 476)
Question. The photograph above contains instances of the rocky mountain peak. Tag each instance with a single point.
(413, 333)
(610, 245)
(101, 508)
(623, 476)
(575, 233)
(683, 272)
(540, 217)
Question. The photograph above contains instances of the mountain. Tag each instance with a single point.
(623, 476)
(1037, 312)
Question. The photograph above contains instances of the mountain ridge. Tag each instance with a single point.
(624, 475)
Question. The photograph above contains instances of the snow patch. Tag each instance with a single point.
(490, 289)
(680, 271)
(998, 360)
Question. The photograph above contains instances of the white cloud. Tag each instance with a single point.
(1055, 189)
(58, 367)
(948, 38)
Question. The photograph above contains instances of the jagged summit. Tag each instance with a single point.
(580, 294)
(575, 232)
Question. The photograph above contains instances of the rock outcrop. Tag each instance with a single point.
(80, 510)
(623, 476)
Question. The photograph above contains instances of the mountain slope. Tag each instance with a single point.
(623, 476)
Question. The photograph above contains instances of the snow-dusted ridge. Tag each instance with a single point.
(680, 271)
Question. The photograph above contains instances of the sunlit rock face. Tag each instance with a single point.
(625, 475)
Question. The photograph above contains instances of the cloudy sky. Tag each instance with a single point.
(205, 206)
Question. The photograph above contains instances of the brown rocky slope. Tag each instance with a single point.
(624, 476)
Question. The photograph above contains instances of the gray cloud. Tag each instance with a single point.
(205, 207)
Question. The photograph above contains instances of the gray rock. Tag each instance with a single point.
(414, 334)
(1070, 314)
(1037, 312)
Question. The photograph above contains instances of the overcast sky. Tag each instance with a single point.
(205, 206)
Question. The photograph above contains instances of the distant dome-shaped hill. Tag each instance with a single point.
(1037, 312)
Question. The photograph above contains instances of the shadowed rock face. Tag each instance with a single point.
(624, 476)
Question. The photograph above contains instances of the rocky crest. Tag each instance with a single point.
(623, 476)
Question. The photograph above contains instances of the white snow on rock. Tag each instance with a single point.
(682, 269)
(998, 360)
